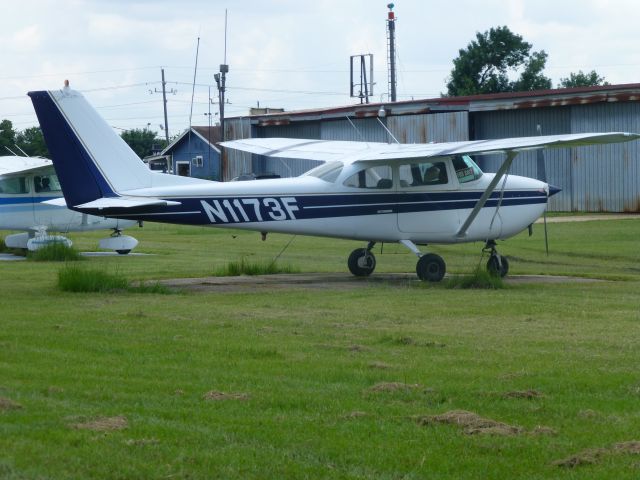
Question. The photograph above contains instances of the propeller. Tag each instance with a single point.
(541, 174)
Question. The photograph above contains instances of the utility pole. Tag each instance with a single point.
(391, 40)
(164, 104)
(221, 79)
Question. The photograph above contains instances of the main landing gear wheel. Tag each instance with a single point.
(431, 267)
(498, 265)
(361, 262)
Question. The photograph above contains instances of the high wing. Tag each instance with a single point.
(351, 152)
(12, 164)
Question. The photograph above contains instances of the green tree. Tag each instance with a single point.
(32, 142)
(7, 137)
(484, 66)
(141, 140)
(581, 79)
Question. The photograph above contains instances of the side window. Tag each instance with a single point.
(372, 177)
(14, 185)
(423, 174)
(466, 169)
(46, 183)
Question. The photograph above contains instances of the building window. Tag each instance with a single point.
(197, 161)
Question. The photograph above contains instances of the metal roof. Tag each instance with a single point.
(472, 103)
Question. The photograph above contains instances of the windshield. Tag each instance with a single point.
(466, 169)
(328, 172)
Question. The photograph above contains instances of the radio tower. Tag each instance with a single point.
(391, 51)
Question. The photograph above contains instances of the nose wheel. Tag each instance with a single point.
(497, 264)
(362, 262)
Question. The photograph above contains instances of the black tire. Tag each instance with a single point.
(498, 268)
(361, 262)
(122, 252)
(431, 267)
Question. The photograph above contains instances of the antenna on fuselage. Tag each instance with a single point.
(25, 153)
(356, 129)
(388, 131)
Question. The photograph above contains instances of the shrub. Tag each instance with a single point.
(244, 267)
(479, 278)
(55, 252)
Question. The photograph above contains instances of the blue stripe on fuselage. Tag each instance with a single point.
(245, 209)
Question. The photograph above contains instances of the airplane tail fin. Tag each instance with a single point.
(90, 159)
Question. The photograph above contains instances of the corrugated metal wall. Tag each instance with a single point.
(594, 179)
(523, 123)
(435, 127)
(235, 162)
(606, 178)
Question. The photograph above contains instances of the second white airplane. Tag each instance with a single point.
(414, 195)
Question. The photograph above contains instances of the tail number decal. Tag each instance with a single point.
(250, 209)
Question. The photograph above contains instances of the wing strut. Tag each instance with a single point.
(487, 193)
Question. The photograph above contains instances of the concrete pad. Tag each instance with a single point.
(335, 281)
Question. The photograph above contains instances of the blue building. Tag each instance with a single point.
(195, 154)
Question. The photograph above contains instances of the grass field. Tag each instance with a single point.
(325, 383)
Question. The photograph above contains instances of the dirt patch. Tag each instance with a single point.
(103, 424)
(8, 404)
(591, 456)
(218, 396)
(323, 281)
(632, 447)
(585, 457)
(393, 387)
(471, 423)
(528, 394)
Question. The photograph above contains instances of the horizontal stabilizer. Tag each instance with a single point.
(125, 202)
(56, 202)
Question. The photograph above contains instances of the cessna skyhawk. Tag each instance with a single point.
(416, 194)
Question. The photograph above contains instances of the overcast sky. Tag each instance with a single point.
(281, 53)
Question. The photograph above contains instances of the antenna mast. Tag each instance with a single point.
(391, 57)
(220, 79)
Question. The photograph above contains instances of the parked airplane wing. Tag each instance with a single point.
(12, 164)
(503, 145)
(349, 152)
(321, 150)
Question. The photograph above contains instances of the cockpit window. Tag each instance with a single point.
(46, 183)
(14, 186)
(372, 177)
(466, 169)
(329, 172)
(423, 174)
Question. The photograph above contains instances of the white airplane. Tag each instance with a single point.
(411, 194)
(27, 182)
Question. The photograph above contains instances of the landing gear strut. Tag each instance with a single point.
(361, 262)
(497, 264)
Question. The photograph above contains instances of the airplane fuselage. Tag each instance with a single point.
(308, 205)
